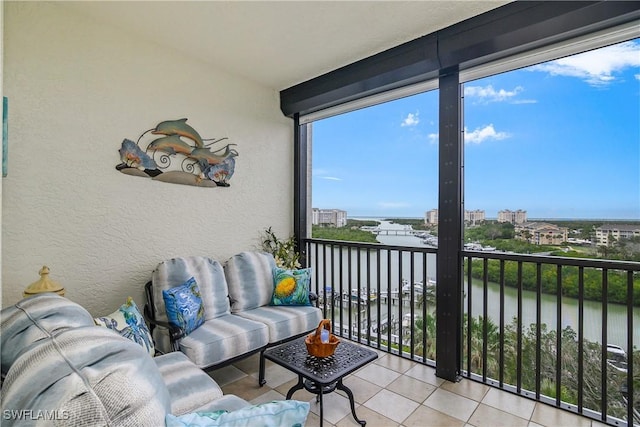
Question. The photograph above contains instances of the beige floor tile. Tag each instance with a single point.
(532, 424)
(547, 415)
(373, 419)
(427, 417)
(269, 396)
(250, 365)
(391, 405)
(451, 404)
(510, 403)
(487, 416)
(226, 375)
(425, 373)
(362, 390)
(275, 375)
(246, 388)
(335, 407)
(301, 394)
(412, 388)
(313, 420)
(467, 388)
(395, 363)
(377, 374)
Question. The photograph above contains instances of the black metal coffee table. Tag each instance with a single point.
(321, 375)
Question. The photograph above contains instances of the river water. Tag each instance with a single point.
(616, 313)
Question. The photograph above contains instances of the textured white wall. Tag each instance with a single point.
(76, 89)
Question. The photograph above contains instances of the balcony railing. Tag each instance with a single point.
(554, 329)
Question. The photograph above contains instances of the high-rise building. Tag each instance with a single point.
(328, 217)
(474, 217)
(431, 217)
(512, 217)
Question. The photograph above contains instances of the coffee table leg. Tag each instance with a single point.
(295, 387)
(321, 407)
(346, 389)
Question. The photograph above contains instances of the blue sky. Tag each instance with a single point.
(559, 140)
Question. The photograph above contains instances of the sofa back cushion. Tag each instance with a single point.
(36, 318)
(208, 275)
(86, 376)
(250, 279)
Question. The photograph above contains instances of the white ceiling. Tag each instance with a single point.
(281, 43)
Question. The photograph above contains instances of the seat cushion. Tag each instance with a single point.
(36, 318)
(223, 338)
(209, 276)
(190, 388)
(285, 321)
(250, 279)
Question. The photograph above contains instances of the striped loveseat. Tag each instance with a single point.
(239, 319)
(59, 368)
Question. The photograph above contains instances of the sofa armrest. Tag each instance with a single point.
(313, 297)
(175, 332)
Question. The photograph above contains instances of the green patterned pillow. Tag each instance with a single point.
(129, 322)
(291, 287)
(184, 306)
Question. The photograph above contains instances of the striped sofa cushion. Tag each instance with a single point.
(250, 279)
(36, 318)
(285, 321)
(189, 387)
(209, 276)
(87, 376)
(223, 338)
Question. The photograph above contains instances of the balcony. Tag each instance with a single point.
(529, 343)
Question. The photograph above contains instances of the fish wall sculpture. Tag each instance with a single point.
(179, 156)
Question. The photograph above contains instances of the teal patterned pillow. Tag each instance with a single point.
(291, 287)
(184, 306)
(128, 322)
(280, 413)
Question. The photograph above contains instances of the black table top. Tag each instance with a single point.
(347, 358)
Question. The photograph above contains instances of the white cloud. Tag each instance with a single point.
(481, 134)
(596, 67)
(489, 94)
(433, 138)
(331, 178)
(410, 120)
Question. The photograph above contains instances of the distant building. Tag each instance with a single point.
(329, 217)
(474, 217)
(431, 217)
(541, 233)
(616, 231)
(512, 217)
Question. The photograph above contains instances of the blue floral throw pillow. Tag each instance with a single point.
(184, 306)
(129, 322)
(291, 287)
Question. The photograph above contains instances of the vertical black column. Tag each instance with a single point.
(300, 186)
(449, 264)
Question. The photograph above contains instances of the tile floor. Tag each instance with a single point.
(392, 391)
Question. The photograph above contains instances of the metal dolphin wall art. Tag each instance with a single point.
(180, 156)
